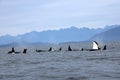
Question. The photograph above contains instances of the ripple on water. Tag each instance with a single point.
(6, 76)
(77, 78)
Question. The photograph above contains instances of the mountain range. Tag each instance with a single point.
(71, 34)
(109, 35)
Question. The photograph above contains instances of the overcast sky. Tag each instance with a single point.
(21, 16)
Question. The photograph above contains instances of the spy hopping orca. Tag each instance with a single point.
(95, 46)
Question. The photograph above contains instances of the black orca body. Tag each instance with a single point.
(40, 51)
(60, 49)
(95, 47)
(25, 51)
(50, 49)
(13, 51)
(10, 52)
(82, 49)
(104, 48)
(89, 49)
(69, 48)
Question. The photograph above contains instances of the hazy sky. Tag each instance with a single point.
(21, 16)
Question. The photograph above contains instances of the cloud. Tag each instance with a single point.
(54, 14)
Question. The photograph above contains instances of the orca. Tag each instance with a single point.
(60, 49)
(95, 47)
(82, 49)
(40, 50)
(13, 51)
(51, 49)
(17, 52)
(25, 51)
(10, 52)
(69, 48)
(104, 48)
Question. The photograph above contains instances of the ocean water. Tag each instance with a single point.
(63, 65)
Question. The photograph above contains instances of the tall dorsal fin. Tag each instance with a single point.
(95, 45)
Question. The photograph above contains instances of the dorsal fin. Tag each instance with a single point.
(50, 49)
(95, 45)
(69, 48)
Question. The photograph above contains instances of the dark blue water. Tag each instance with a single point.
(74, 65)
